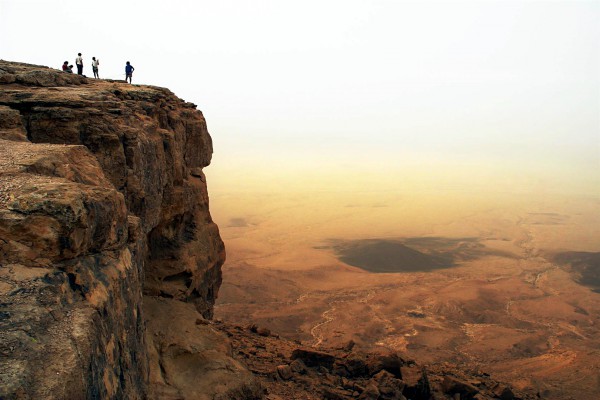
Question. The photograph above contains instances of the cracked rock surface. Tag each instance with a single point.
(102, 199)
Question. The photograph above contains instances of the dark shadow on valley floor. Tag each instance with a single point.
(238, 223)
(376, 255)
(419, 254)
(586, 265)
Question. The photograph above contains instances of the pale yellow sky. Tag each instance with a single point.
(444, 93)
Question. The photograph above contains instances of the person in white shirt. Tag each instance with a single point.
(95, 64)
(79, 63)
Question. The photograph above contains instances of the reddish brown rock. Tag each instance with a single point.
(36, 75)
(298, 367)
(263, 355)
(11, 127)
(101, 194)
(70, 280)
(371, 392)
(453, 386)
(152, 147)
(336, 394)
(390, 388)
(417, 383)
(314, 358)
(191, 361)
(285, 372)
(385, 361)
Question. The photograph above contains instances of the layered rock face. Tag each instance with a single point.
(102, 196)
(110, 263)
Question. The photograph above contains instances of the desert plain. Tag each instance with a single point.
(495, 280)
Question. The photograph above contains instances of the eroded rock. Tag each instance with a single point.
(314, 358)
(101, 194)
(191, 361)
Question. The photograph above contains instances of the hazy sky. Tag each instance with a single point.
(379, 88)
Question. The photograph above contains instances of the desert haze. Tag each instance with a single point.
(498, 277)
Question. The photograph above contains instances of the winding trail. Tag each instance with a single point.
(345, 296)
(318, 336)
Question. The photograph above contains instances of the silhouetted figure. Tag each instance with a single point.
(95, 64)
(128, 71)
(79, 63)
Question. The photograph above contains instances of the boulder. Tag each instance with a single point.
(285, 372)
(313, 358)
(453, 386)
(192, 361)
(390, 388)
(371, 392)
(417, 383)
(390, 362)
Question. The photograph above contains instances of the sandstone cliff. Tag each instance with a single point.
(102, 200)
(110, 263)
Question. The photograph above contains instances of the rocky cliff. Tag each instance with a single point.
(110, 263)
(104, 220)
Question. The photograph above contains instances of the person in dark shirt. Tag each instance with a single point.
(128, 71)
(67, 68)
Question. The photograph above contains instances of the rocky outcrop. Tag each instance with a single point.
(190, 358)
(70, 283)
(102, 196)
(110, 263)
(290, 372)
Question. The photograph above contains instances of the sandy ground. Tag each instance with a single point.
(501, 305)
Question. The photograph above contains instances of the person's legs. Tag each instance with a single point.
(79, 69)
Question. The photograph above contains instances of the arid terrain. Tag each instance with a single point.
(494, 282)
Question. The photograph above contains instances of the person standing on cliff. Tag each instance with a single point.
(95, 64)
(128, 71)
(79, 63)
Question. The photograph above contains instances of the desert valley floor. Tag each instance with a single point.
(504, 284)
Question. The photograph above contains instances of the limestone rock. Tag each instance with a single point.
(352, 366)
(70, 280)
(36, 75)
(151, 146)
(285, 372)
(336, 394)
(298, 367)
(388, 361)
(101, 194)
(11, 127)
(371, 392)
(389, 386)
(454, 386)
(417, 383)
(314, 358)
(190, 361)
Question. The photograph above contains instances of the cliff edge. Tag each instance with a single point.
(104, 221)
(110, 264)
